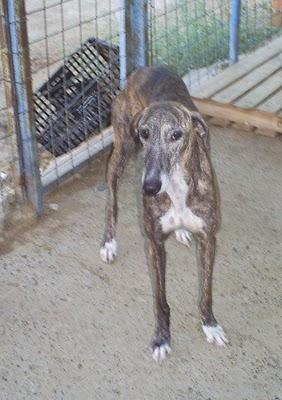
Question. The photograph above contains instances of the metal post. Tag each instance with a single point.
(17, 32)
(234, 31)
(133, 37)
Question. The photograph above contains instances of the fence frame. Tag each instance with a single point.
(21, 99)
(133, 37)
(234, 31)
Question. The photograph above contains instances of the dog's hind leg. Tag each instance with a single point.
(124, 146)
(205, 256)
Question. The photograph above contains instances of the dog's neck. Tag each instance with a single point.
(179, 215)
(176, 186)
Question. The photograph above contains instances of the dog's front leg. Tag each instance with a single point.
(156, 257)
(206, 246)
(123, 148)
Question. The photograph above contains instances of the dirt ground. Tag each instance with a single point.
(74, 328)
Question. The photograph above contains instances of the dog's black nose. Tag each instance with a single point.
(152, 186)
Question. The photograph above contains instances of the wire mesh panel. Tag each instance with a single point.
(257, 23)
(192, 36)
(75, 69)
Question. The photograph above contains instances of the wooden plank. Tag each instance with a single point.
(261, 92)
(249, 117)
(266, 132)
(249, 81)
(242, 127)
(272, 104)
(218, 122)
(235, 71)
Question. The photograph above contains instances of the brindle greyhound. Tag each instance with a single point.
(179, 186)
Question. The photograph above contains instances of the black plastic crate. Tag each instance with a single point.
(76, 101)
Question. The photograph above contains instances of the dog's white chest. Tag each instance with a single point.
(179, 215)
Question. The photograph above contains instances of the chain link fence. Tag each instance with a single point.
(72, 52)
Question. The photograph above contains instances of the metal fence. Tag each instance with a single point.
(63, 61)
(196, 37)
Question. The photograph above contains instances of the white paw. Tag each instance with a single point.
(215, 334)
(108, 252)
(183, 236)
(160, 353)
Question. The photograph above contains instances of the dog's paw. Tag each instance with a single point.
(160, 349)
(215, 334)
(108, 251)
(183, 236)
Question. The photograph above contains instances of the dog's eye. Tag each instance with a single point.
(144, 133)
(176, 135)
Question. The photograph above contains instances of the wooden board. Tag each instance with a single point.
(262, 91)
(261, 120)
(273, 103)
(247, 94)
(237, 89)
(238, 70)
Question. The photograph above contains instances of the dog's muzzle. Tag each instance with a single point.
(152, 185)
(152, 181)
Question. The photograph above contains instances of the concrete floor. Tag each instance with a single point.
(74, 328)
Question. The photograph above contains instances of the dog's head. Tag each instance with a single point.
(164, 130)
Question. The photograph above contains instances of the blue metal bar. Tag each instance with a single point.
(122, 45)
(234, 31)
(23, 107)
(133, 37)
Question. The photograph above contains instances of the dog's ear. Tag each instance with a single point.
(200, 126)
(135, 124)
